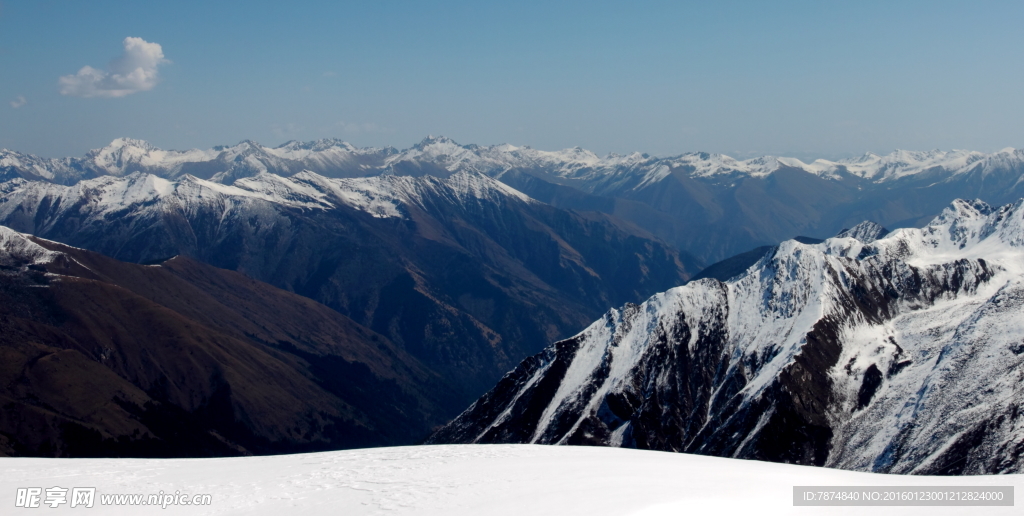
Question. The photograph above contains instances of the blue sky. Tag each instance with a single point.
(803, 79)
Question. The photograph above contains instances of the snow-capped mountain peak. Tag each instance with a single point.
(130, 143)
(126, 155)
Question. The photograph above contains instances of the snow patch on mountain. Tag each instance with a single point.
(381, 196)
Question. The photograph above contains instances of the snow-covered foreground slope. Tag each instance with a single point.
(472, 480)
(900, 355)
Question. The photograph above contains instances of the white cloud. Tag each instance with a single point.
(18, 102)
(134, 71)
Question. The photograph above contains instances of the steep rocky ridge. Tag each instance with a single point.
(900, 355)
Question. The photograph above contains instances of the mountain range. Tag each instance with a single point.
(464, 273)
(709, 205)
(443, 266)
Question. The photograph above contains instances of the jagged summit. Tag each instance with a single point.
(434, 140)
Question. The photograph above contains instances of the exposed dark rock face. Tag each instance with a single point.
(102, 358)
(872, 381)
(866, 232)
(862, 355)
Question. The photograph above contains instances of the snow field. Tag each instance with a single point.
(472, 480)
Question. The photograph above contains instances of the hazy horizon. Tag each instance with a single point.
(806, 158)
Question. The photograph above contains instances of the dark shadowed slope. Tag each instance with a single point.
(105, 358)
(736, 265)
